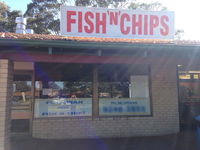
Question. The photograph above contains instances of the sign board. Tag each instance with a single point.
(116, 23)
(124, 107)
(23, 65)
(62, 107)
(83, 107)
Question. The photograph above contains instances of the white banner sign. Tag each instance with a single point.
(116, 23)
(126, 107)
(83, 107)
(62, 107)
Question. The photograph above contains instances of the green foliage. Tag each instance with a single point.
(22, 86)
(7, 18)
(179, 34)
(99, 3)
(43, 16)
(80, 89)
(153, 6)
(11, 25)
(3, 11)
(121, 4)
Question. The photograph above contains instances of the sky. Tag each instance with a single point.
(187, 14)
(17, 4)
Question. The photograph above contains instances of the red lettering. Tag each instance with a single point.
(80, 22)
(114, 18)
(70, 20)
(163, 21)
(122, 22)
(145, 24)
(154, 22)
(137, 24)
(100, 22)
(90, 27)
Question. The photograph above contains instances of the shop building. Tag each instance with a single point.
(93, 87)
(100, 73)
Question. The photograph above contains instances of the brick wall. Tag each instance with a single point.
(165, 119)
(6, 77)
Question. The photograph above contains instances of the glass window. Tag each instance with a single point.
(65, 91)
(124, 90)
(22, 89)
(21, 101)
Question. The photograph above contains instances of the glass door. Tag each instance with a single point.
(22, 101)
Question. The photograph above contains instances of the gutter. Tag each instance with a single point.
(94, 45)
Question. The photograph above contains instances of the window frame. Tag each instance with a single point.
(150, 101)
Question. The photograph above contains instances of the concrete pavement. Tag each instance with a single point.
(186, 140)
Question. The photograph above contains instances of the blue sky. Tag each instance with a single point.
(17, 4)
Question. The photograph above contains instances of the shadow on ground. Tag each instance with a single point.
(186, 140)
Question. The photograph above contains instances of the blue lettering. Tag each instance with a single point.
(133, 109)
(120, 109)
(143, 109)
(105, 109)
(110, 109)
(115, 109)
(137, 108)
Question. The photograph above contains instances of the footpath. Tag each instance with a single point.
(186, 140)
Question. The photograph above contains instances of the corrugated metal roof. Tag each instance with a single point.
(8, 35)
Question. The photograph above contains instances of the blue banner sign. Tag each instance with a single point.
(128, 107)
(62, 107)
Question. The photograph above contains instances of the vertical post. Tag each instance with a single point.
(32, 100)
(95, 100)
(50, 50)
(6, 90)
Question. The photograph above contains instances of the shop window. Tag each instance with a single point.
(124, 90)
(22, 93)
(65, 91)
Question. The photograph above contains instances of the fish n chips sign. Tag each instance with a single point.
(116, 23)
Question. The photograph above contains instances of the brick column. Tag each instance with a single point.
(6, 78)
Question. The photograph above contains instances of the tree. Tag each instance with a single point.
(153, 6)
(22, 86)
(3, 14)
(121, 4)
(178, 34)
(43, 16)
(7, 18)
(10, 26)
(100, 3)
(3, 11)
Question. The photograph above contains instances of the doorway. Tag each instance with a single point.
(189, 95)
(21, 110)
